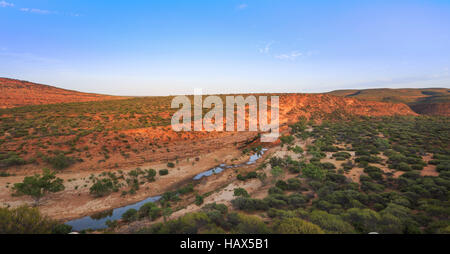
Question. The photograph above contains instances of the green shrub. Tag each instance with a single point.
(443, 167)
(249, 175)
(199, 200)
(102, 187)
(331, 223)
(276, 172)
(186, 189)
(364, 220)
(111, 224)
(281, 185)
(297, 150)
(144, 210)
(314, 172)
(295, 226)
(403, 166)
(294, 184)
(154, 213)
(297, 200)
(275, 190)
(26, 220)
(249, 204)
(240, 192)
(163, 172)
(150, 175)
(11, 159)
(61, 229)
(60, 161)
(287, 139)
(130, 215)
(250, 225)
(344, 155)
(328, 165)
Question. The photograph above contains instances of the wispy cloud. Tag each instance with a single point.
(293, 55)
(289, 56)
(266, 48)
(6, 4)
(242, 6)
(38, 11)
(35, 10)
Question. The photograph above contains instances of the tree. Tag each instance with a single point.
(145, 209)
(154, 213)
(130, 215)
(38, 186)
(150, 175)
(199, 200)
(166, 212)
(112, 224)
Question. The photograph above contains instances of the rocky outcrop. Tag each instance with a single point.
(293, 106)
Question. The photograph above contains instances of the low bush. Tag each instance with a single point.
(130, 215)
(163, 172)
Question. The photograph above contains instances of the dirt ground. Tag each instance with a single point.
(429, 170)
(75, 201)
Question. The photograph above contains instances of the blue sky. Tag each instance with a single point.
(229, 46)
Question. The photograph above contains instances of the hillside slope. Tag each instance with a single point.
(428, 101)
(17, 93)
(136, 130)
(319, 106)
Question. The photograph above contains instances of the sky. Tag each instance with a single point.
(168, 47)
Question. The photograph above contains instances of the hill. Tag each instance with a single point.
(428, 101)
(17, 93)
(136, 129)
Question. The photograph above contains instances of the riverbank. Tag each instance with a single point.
(76, 202)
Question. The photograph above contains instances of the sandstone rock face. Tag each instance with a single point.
(293, 106)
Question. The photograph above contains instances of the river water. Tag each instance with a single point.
(98, 222)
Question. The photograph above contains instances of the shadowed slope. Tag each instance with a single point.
(428, 101)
